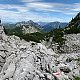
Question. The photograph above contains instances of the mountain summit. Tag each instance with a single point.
(28, 27)
(75, 21)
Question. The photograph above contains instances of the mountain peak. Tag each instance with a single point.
(79, 13)
(28, 27)
(30, 21)
(75, 21)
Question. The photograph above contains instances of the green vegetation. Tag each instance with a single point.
(75, 21)
(36, 37)
(74, 25)
(57, 35)
(77, 78)
(72, 30)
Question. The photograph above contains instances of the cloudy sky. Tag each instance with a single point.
(38, 10)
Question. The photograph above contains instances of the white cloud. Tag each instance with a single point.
(24, 11)
(39, 5)
(17, 7)
(30, 0)
(54, 7)
(44, 7)
(76, 7)
(19, 16)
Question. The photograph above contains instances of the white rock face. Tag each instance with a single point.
(72, 43)
(20, 60)
(29, 29)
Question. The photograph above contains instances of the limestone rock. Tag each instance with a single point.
(20, 60)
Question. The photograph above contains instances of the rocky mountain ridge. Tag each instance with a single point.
(28, 27)
(53, 25)
(37, 26)
(75, 21)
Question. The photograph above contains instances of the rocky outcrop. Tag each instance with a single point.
(28, 27)
(21, 60)
(72, 43)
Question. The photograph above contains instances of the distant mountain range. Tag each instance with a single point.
(9, 25)
(44, 26)
(52, 25)
(42, 23)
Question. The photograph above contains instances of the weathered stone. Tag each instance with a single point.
(24, 61)
(2, 60)
(65, 69)
(2, 54)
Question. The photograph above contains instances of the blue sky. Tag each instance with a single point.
(38, 10)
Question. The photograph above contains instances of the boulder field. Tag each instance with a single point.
(21, 60)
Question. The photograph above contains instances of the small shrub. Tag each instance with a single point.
(77, 78)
